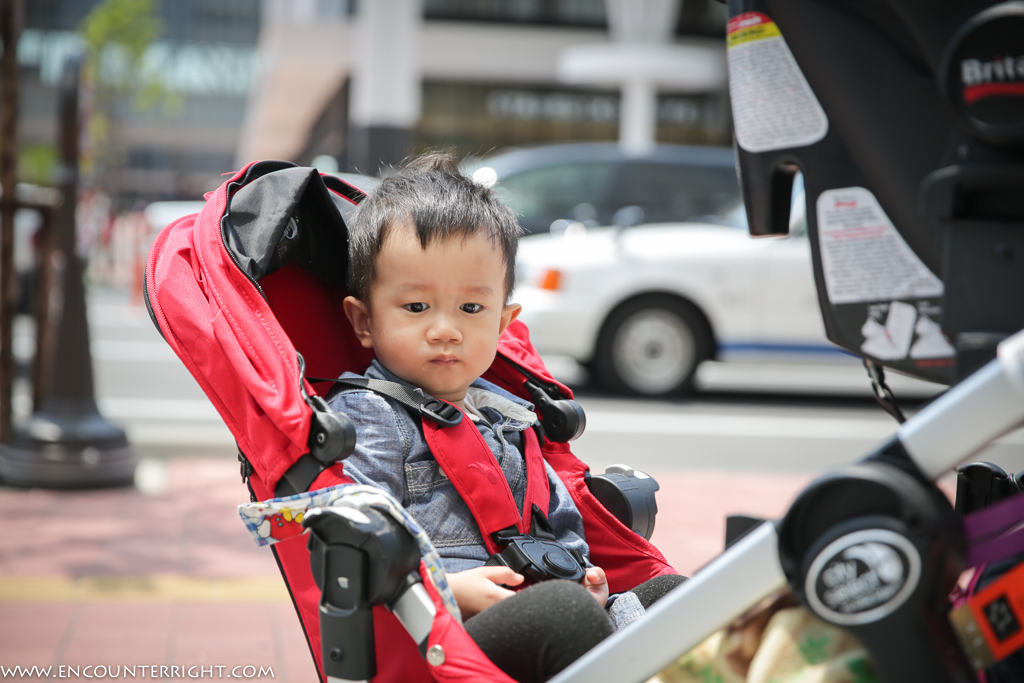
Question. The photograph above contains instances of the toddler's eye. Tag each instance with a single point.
(417, 307)
(471, 308)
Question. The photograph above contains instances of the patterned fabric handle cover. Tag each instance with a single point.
(279, 519)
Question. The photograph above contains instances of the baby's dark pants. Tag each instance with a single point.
(539, 631)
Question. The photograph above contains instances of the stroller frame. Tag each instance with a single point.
(896, 125)
(911, 641)
(986, 405)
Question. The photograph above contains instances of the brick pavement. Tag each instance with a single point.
(122, 577)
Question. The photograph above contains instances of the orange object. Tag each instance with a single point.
(551, 280)
(990, 622)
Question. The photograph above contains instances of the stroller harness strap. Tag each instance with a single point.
(444, 414)
(304, 471)
(475, 473)
(468, 462)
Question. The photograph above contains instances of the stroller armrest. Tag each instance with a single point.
(629, 495)
(361, 557)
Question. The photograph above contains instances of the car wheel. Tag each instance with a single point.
(652, 347)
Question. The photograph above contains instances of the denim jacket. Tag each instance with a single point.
(391, 453)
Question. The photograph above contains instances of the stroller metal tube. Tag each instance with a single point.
(964, 420)
(416, 611)
(722, 590)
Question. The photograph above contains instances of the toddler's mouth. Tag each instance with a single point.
(445, 360)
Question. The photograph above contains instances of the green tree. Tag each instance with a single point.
(36, 163)
(117, 34)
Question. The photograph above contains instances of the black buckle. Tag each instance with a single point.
(444, 414)
(537, 559)
(439, 412)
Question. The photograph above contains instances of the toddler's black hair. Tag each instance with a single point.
(434, 196)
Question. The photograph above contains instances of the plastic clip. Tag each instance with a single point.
(564, 419)
(444, 414)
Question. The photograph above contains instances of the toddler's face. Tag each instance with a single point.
(435, 314)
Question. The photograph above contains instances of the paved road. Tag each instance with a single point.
(776, 426)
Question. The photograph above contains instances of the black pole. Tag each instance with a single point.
(66, 443)
(9, 30)
(44, 287)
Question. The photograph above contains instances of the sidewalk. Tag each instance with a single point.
(168, 577)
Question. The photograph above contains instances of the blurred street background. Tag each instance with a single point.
(174, 94)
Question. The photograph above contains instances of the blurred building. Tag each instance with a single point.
(369, 82)
(177, 148)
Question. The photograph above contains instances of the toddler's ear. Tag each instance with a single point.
(359, 316)
(508, 314)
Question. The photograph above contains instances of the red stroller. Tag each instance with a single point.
(248, 293)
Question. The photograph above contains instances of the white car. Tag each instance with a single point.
(643, 306)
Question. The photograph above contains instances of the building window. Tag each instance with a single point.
(479, 118)
(696, 17)
(588, 13)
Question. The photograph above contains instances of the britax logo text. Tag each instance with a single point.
(1001, 76)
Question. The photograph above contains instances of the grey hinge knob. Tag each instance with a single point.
(435, 655)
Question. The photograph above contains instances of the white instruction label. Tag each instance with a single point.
(773, 107)
(863, 256)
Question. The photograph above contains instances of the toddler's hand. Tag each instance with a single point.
(477, 589)
(596, 583)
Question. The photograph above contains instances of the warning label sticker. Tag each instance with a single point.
(890, 328)
(863, 256)
(773, 106)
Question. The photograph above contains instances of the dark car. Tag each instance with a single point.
(592, 182)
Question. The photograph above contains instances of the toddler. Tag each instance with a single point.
(431, 269)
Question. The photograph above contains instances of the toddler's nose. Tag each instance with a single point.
(444, 329)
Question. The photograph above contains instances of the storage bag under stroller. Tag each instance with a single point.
(248, 293)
